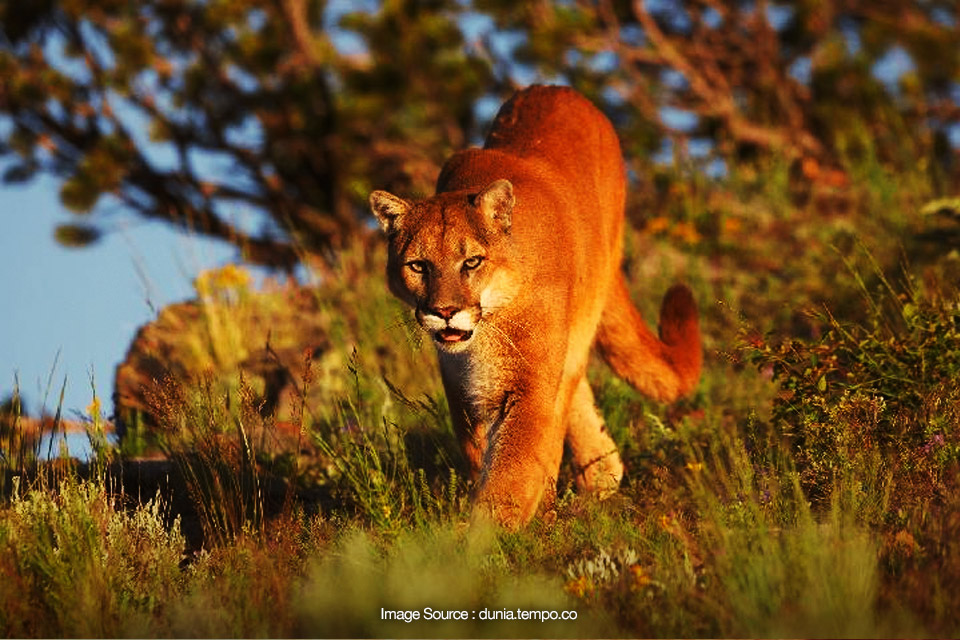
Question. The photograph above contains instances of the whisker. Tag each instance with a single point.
(508, 341)
(410, 329)
(525, 325)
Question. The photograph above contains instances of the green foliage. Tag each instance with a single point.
(285, 123)
(883, 389)
(73, 564)
(374, 470)
(76, 235)
(720, 543)
(357, 438)
(307, 106)
(18, 449)
(217, 463)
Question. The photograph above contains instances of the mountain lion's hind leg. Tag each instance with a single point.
(595, 458)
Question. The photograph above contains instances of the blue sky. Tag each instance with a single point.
(84, 303)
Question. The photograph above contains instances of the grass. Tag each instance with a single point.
(808, 488)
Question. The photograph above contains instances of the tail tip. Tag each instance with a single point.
(678, 314)
(680, 331)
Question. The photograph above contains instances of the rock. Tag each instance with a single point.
(234, 342)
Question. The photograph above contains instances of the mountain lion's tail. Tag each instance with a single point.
(664, 368)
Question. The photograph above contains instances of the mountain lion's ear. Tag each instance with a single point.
(496, 203)
(388, 209)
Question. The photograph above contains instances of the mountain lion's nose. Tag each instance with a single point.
(444, 312)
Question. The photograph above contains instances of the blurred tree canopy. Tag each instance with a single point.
(266, 122)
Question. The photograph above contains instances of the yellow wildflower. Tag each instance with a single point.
(658, 224)
(93, 409)
(640, 577)
(670, 524)
(226, 279)
(232, 276)
(905, 543)
(686, 232)
(810, 168)
(579, 587)
(732, 226)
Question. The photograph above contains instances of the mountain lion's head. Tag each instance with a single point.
(451, 258)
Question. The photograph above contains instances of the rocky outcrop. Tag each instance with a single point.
(232, 339)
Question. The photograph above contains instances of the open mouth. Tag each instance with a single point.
(447, 336)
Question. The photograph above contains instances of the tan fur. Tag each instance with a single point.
(513, 267)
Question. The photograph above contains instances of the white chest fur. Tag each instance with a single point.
(479, 375)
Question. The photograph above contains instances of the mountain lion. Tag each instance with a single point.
(513, 269)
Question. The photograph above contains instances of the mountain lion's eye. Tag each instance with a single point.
(417, 266)
(472, 263)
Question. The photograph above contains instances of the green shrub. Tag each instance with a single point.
(75, 564)
(878, 397)
(392, 459)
